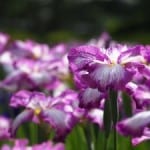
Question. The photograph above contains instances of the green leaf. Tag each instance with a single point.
(127, 104)
(114, 105)
(107, 118)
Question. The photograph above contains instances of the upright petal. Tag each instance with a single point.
(81, 56)
(21, 98)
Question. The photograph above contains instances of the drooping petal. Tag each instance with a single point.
(96, 116)
(59, 120)
(134, 126)
(23, 117)
(90, 97)
(145, 136)
(116, 76)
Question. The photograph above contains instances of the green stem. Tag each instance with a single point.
(115, 139)
(88, 135)
(105, 143)
(114, 112)
(33, 133)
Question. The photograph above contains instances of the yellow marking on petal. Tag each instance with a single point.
(112, 64)
(37, 111)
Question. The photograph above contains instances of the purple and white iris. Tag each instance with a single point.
(103, 68)
(57, 112)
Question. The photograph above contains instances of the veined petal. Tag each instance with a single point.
(83, 80)
(105, 75)
(58, 119)
(131, 55)
(81, 56)
(24, 116)
(90, 97)
(134, 126)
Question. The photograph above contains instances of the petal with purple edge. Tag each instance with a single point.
(24, 116)
(20, 98)
(4, 127)
(105, 75)
(56, 118)
(142, 96)
(145, 136)
(96, 116)
(134, 125)
(59, 120)
(81, 56)
(133, 54)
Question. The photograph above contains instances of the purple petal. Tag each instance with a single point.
(96, 116)
(4, 127)
(49, 146)
(142, 95)
(20, 98)
(81, 56)
(12, 82)
(24, 116)
(133, 54)
(116, 76)
(6, 147)
(146, 53)
(145, 136)
(90, 97)
(134, 126)
(59, 120)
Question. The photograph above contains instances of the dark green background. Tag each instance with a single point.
(65, 20)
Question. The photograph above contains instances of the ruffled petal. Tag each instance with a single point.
(81, 56)
(20, 98)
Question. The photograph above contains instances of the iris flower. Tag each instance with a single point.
(39, 108)
(105, 68)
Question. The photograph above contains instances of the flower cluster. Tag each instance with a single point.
(98, 69)
(38, 76)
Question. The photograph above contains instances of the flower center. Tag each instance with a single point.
(37, 111)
